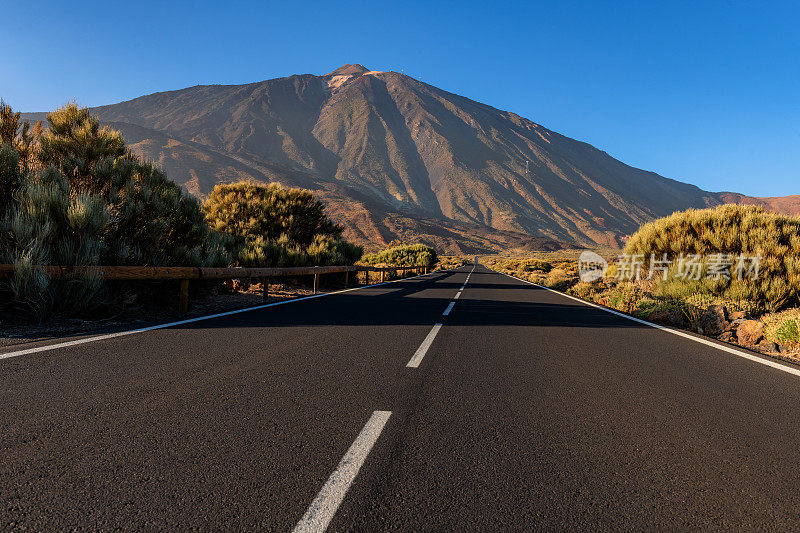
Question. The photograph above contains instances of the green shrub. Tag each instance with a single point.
(245, 210)
(9, 176)
(271, 225)
(783, 327)
(679, 289)
(75, 196)
(402, 255)
(623, 296)
(646, 305)
(788, 332)
(734, 230)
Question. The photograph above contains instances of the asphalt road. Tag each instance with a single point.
(528, 410)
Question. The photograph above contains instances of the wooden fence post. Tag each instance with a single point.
(367, 274)
(346, 278)
(184, 301)
(316, 282)
(264, 289)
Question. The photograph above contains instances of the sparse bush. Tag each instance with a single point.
(519, 266)
(784, 327)
(538, 278)
(586, 291)
(445, 262)
(679, 289)
(560, 279)
(612, 273)
(536, 265)
(681, 301)
(788, 332)
(624, 297)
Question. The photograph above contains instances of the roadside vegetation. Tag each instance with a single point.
(446, 262)
(760, 310)
(271, 225)
(402, 254)
(556, 270)
(73, 194)
(732, 230)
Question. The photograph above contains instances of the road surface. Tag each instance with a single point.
(373, 410)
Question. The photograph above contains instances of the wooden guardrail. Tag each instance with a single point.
(185, 274)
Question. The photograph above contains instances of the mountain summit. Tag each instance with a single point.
(394, 157)
(349, 70)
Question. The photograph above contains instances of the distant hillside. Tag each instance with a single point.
(788, 205)
(397, 158)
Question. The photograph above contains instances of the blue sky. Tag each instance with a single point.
(703, 92)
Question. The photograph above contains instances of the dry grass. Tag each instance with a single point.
(681, 303)
(783, 328)
(556, 269)
(452, 261)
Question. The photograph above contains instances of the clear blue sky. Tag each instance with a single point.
(704, 92)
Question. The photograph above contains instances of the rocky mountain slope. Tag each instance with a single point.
(397, 158)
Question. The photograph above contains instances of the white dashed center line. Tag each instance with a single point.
(426, 344)
(324, 506)
(423, 348)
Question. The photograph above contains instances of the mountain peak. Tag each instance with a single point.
(349, 70)
(393, 160)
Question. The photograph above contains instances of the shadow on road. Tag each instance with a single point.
(420, 302)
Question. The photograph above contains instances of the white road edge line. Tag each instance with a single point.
(457, 296)
(707, 342)
(96, 338)
(423, 348)
(324, 507)
(449, 308)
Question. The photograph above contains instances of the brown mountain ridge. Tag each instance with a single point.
(394, 157)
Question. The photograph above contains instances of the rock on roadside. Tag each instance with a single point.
(750, 332)
(669, 317)
(713, 321)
